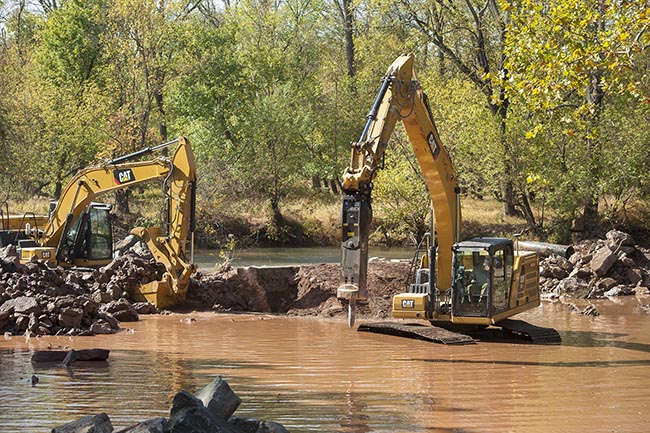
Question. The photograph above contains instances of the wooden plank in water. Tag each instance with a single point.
(417, 331)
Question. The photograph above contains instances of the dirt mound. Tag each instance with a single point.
(308, 290)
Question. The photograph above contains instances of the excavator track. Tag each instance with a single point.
(419, 332)
(535, 334)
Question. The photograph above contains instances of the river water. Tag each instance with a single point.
(207, 258)
(317, 375)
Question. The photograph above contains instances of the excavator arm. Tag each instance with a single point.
(167, 245)
(400, 98)
(180, 188)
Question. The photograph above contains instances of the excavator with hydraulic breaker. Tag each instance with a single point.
(458, 284)
(78, 231)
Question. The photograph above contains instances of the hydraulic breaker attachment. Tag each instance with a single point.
(356, 215)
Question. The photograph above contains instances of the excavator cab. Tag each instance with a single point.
(482, 277)
(90, 237)
(87, 243)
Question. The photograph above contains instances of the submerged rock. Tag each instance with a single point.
(99, 423)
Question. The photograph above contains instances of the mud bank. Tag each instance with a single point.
(308, 290)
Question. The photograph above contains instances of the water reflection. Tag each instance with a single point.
(317, 375)
(205, 258)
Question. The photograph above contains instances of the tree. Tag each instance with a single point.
(142, 45)
(568, 59)
(469, 37)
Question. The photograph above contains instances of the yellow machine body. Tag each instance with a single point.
(78, 231)
(480, 281)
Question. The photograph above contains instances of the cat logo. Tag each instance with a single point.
(433, 145)
(408, 303)
(123, 176)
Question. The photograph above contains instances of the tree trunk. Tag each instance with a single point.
(348, 21)
(122, 201)
(334, 186)
(163, 123)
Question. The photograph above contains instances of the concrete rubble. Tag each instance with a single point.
(614, 266)
(210, 410)
(38, 300)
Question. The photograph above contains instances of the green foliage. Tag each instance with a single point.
(578, 66)
(226, 255)
(554, 91)
(401, 203)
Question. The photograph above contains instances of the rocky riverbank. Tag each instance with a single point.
(39, 300)
(614, 266)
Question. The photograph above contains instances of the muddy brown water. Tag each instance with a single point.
(317, 375)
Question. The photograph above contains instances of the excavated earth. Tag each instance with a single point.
(39, 300)
(296, 290)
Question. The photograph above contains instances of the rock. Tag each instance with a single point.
(145, 308)
(101, 297)
(101, 327)
(617, 238)
(602, 261)
(22, 322)
(125, 244)
(108, 317)
(70, 317)
(122, 310)
(559, 273)
(634, 275)
(580, 273)
(189, 415)
(219, 398)
(247, 425)
(620, 291)
(607, 283)
(26, 305)
(639, 290)
(89, 424)
(129, 315)
(155, 425)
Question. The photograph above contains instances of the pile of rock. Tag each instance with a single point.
(40, 300)
(614, 266)
(211, 410)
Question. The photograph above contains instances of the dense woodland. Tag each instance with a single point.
(543, 106)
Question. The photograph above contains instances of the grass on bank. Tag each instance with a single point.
(309, 218)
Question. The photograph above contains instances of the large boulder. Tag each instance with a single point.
(189, 415)
(603, 261)
(219, 398)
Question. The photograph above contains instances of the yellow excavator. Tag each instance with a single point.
(474, 283)
(78, 230)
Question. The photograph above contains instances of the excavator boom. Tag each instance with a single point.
(478, 282)
(400, 98)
